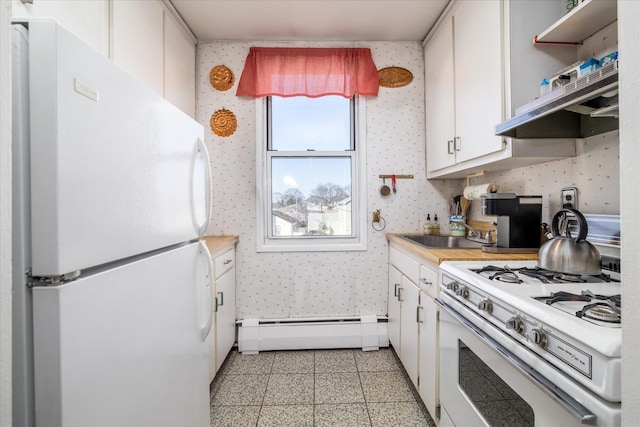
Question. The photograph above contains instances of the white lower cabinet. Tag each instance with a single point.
(225, 289)
(223, 330)
(409, 295)
(413, 322)
(393, 309)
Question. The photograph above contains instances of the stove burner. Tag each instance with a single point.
(563, 296)
(547, 276)
(605, 277)
(502, 274)
(603, 311)
(606, 308)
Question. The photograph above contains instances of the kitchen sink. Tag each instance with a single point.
(442, 242)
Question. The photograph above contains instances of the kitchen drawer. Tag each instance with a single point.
(224, 262)
(429, 281)
(408, 266)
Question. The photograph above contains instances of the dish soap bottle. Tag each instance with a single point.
(428, 227)
(436, 225)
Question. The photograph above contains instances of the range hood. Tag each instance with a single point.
(583, 108)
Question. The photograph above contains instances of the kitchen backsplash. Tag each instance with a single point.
(595, 171)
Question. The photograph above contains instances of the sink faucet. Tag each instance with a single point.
(474, 235)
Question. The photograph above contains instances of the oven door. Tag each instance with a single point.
(484, 383)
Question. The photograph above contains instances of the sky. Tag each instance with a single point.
(301, 124)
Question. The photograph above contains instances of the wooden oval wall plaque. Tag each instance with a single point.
(394, 77)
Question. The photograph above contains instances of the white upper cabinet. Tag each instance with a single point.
(463, 89)
(143, 37)
(179, 66)
(137, 42)
(88, 20)
(469, 86)
(478, 77)
(439, 94)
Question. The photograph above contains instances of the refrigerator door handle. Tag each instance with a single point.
(204, 153)
(204, 252)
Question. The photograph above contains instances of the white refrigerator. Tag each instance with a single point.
(112, 296)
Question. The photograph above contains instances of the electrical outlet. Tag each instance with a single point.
(376, 216)
(569, 198)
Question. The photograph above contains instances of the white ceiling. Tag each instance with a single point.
(310, 20)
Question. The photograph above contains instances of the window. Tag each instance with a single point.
(310, 164)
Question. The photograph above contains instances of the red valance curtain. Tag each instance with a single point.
(310, 72)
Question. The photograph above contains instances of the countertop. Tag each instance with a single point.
(216, 243)
(436, 256)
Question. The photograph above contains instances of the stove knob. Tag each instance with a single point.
(463, 292)
(538, 337)
(516, 324)
(485, 305)
(453, 286)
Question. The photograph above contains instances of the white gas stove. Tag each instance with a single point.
(575, 326)
(524, 346)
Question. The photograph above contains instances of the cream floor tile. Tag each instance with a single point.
(342, 415)
(380, 360)
(298, 362)
(396, 414)
(335, 361)
(241, 390)
(260, 363)
(289, 389)
(234, 416)
(340, 387)
(286, 416)
(389, 386)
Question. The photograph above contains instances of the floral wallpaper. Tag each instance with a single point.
(310, 284)
(318, 284)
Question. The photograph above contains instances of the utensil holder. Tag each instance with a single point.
(456, 227)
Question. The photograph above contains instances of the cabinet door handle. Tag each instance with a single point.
(229, 261)
(418, 314)
(221, 299)
(425, 281)
(395, 289)
(449, 146)
(456, 143)
(399, 295)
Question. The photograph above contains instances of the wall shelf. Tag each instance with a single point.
(580, 23)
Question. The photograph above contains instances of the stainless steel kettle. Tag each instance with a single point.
(566, 254)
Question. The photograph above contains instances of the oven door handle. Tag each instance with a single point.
(566, 401)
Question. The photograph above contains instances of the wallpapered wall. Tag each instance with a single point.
(273, 285)
(320, 283)
(595, 171)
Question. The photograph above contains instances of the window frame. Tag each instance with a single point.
(268, 243)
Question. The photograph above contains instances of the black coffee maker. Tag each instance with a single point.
(518, 224)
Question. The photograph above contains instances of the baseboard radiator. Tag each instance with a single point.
(368, 332)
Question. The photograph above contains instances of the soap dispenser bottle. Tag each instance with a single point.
(436, 225)
(428, 226)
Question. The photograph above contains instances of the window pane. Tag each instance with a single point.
(311, 196)
(300, 123)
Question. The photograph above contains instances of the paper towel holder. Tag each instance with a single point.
(473, 175)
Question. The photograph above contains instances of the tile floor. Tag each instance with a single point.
(349, 388)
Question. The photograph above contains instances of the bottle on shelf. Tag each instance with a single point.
(436, 225)
(428, 226)
(545, 88)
